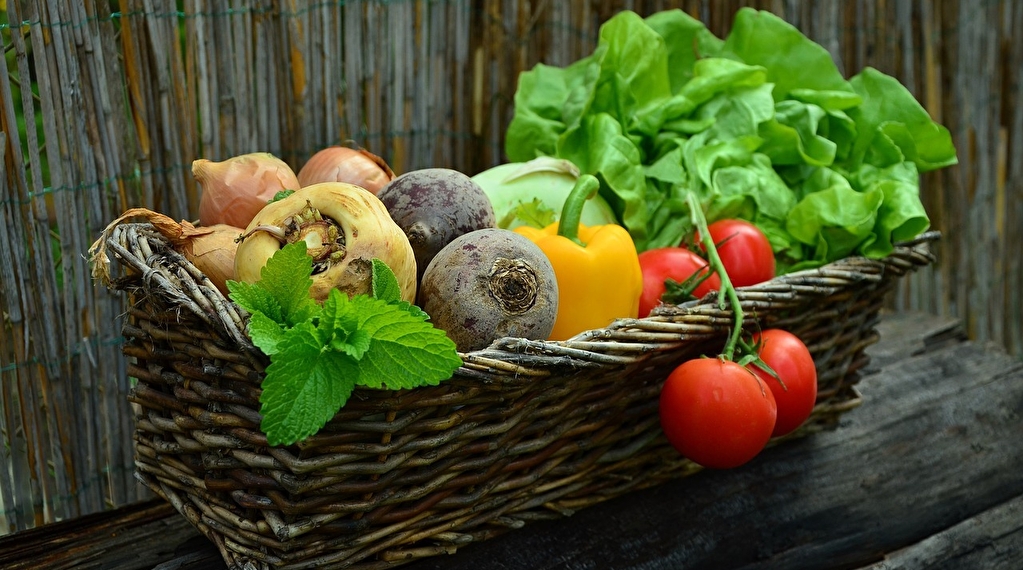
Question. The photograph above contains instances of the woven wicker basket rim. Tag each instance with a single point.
(624, 341)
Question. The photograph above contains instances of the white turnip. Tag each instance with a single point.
(344, 227)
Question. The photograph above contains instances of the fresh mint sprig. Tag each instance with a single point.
(320, 353)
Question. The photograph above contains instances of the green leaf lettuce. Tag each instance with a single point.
(760, 125)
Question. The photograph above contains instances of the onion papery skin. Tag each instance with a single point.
(367, 228)
(214, 253)
(344, 164)
(234, 190)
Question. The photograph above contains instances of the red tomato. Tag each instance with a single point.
(744, 250)
(677, 263)
(792, 361)
(716, 412)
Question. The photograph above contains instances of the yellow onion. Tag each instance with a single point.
(210, 249)
(343, 164)
(214, 253)
(233, 190)
(344, 227)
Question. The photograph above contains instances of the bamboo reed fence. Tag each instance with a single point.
(119, 97)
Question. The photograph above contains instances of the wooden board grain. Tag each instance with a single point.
(137, 536)
(991, 540)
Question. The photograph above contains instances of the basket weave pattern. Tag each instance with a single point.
(524, 430)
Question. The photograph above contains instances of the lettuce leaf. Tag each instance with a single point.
(760, 125)
(892, 126)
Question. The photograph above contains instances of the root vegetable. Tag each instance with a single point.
(344, 164)
(210, 249)
(235, 189)
(344, 226)
(488, 284)
(214, 253)
(434, 206)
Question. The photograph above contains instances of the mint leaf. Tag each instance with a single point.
(406, 351)
(414, 310)
(280, 196)
(256, 299)
(286, 276)
(304, 387)
(354, 344)
(339, 326)
(385, 284)
(266, 333)
(358, 341)
(337, 315)
(282, 292)
(318, 354)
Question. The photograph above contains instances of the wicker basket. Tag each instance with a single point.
(524, 430)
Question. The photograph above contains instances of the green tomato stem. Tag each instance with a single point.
(586, 187)
(727, 290)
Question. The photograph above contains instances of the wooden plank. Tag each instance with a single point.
(102, 541)
(905, 334)
(201, 555)
(991, 540)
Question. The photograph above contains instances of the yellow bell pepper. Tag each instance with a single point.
(597, 267)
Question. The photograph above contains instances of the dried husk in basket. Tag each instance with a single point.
(524, 430)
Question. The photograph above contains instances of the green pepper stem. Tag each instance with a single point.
(727, 290)
(586, 187)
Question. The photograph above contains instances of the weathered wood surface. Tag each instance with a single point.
(137, 536)
(990, 539)
(926, 474)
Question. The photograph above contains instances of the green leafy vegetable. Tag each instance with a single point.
(760, 125)
(384, 283)
(280, 196)
(319, 354)
(533, 213)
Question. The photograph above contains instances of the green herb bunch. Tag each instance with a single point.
(320, 353)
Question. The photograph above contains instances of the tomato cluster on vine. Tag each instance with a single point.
(678, 273)
(720, 413)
